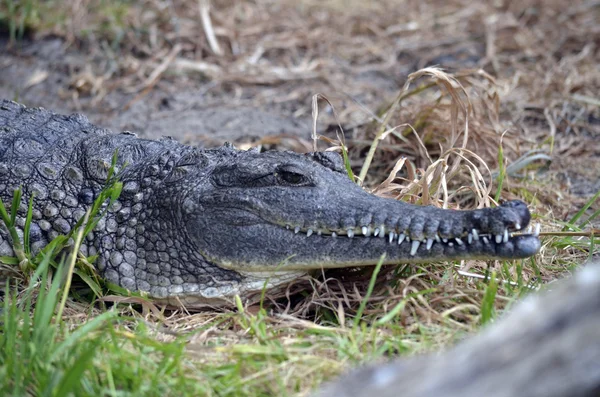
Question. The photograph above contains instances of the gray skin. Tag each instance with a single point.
(199, 226)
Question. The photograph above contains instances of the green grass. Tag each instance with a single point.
(488, 303)
(45, 354)
(105, 19)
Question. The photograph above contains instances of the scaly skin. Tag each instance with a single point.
(200, 226)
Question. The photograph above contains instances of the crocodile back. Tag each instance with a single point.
(37, 144)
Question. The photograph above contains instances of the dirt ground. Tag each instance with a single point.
(154, 71)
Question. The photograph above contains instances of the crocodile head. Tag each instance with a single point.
(285, 211)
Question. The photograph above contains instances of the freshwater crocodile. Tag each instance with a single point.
(199, 226)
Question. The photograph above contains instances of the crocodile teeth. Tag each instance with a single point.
(333, 234)
(458, 241)
(319, 232)
(538, 229)
(376, 232)
(475, 234)
(429, 243)
(296, 229)
(414, 247)
(445, 240)
(485, 240)
(309, 232)
(438, 239)
(529, 229)
(350, 233)
(287, 227)
(505, 237)
(365, 231)
(401, 238)
(470, 238)
(382, 231)
(518, 226)
(498, 238)
(392, 236)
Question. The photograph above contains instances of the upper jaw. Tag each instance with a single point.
(399, 247)
(298, 249)
(399, 223)
(405, 233)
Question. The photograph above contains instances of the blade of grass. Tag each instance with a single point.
(71, 267)
(9, 221)
(77, 335)
(14, 208)
(347, 163)
(501, 173)
(71, 381)
(404, 93)
(370, 288)
(4, 214)
(583, 209)
(591, 218)
(9, 260)
(488, 301)
(27, 229)
(399, 308)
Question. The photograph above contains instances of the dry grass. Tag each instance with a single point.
(521, 76)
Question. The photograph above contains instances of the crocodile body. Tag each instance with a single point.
(203, 225)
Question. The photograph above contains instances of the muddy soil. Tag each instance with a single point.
(44, 73)
(68, 78)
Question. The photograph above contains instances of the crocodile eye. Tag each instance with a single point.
(291, 178)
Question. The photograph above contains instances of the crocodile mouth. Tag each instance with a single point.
(294, 248)
(474, 238)
(359, 232)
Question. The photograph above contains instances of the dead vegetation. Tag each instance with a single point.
(424, 95)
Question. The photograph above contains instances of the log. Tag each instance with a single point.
(548, 346)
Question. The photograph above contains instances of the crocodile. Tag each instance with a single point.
(199, 226)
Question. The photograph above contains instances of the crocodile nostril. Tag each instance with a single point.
(520, 213)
